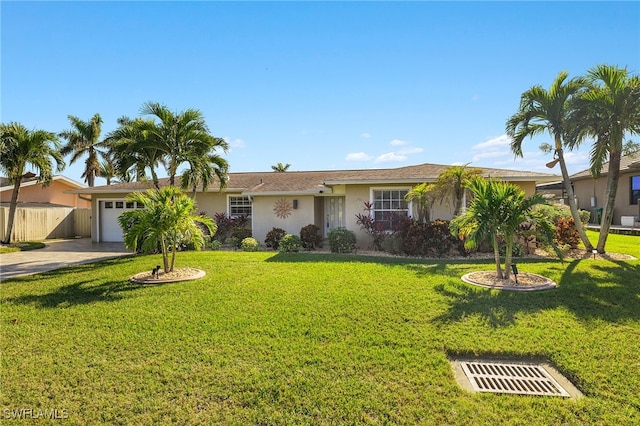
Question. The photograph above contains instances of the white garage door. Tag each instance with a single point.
(110, 230)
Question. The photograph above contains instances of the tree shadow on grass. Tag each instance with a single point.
(602, 291)
(78, 293)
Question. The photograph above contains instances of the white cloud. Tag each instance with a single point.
(358, 156)
(390, 157)
(398, 142)
(500, 141)
(410, 150)
(365, 135)
(475, 97)
(236, 143)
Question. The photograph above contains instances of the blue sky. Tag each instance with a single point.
(319, 85)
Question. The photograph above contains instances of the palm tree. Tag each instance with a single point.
(281, 167)
(167, 220)
(134, 149)
(607, 112)
(204, 168)
(548, 111)
(450, 185)
(108, 170)
(181, 138)
(21, 148)
(423, 195)
(83, 139)
(496, 212)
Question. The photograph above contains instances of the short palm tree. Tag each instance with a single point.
(607, 112)
(422, 195)
(22, 148)
(496, 212)
(450, 185)
(166, 221)
(84, 139)
(543, 111)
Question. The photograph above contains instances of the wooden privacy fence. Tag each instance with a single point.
(35, 223)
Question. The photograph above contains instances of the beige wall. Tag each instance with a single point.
(265, 219)
(53, 194)
(587, 188)
(213, 202)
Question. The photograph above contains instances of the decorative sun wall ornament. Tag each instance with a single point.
(283, 208)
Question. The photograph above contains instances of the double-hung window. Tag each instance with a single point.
(388, 205)
(239, 206)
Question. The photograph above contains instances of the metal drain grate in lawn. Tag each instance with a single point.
(501, 377)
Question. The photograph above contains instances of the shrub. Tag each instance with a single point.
(290, 243)
(432, 239)
(273, 238)
(342, 240)
(566, 233)
(560, 217)
(250, 244)
(375, 229)
(310, 237)
(227, 226)
(214, 244)
(239, 234)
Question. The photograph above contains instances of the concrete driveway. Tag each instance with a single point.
(57, 254)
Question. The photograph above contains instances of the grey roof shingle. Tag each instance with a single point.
(627, 163)
(300, 182)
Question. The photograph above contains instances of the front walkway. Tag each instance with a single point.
(57, 254)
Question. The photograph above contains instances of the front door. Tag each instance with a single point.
(333, 213)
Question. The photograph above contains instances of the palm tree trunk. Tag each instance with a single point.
(173, 256)
(572, 199)
(508, 256)
(165, 256)
(612, 188)
(12, 210)
(496, 256)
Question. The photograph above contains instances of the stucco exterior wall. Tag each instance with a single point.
(265, 218)
(585, 189)
(53, 194)
(214, 202)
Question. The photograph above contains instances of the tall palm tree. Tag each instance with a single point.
(423, 196)
(181, 137)
(21, 148)
(450, 185)
(83, 139)
(608, 111)
(108, 170)
(167, 220)
(496, 212)
(135, 149)
(280, 167)
(543, 111)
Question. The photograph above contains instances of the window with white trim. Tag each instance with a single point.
(239, 206)
(387, 205)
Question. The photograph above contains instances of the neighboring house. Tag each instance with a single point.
(292, 200)
(591, 192)
(46, 212)
(32, 192)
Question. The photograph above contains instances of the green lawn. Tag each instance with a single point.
(269, 338)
